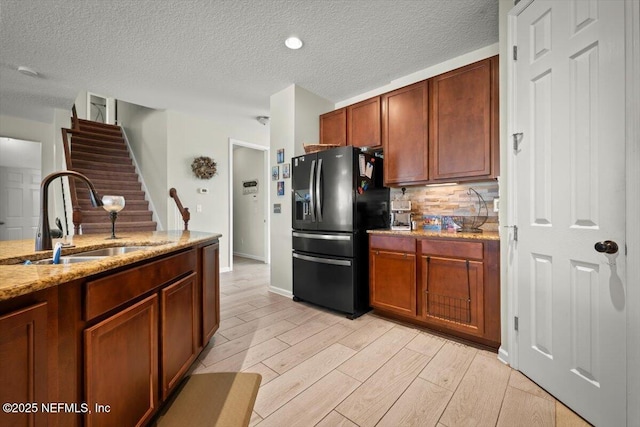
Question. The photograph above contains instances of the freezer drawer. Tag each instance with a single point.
(328, 282)
(330, 244)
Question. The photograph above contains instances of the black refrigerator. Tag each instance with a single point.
(337, 195)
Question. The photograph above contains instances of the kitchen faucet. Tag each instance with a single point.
(43, 238)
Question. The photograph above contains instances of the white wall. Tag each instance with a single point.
(248, 219)
(190, 137)
(146, 130)
(294, 121)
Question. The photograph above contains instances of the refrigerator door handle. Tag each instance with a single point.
(322, 236)
(342, 262)
(319, 190)
(312, 199)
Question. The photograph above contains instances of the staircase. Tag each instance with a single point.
(99, 151)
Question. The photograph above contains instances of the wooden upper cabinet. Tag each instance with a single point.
(404, 135)
(333, 127)
(363, 124)
(463, 128)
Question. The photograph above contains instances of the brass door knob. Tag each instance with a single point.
(607, 247)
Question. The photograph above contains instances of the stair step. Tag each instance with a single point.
(121, 185)
(97, 127)
(130, 204)
(99, 166)
(86, 148)
(102, 174)
(89, 142)
(100, 228)
(123, 216)
(94, 157)
(96, 136)
(83, 193)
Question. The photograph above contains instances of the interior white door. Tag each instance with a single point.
(19, 203)
(570, 184)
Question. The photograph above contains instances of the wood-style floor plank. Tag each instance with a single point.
(247, 358)
(421, 404)
(250, 327)
(519, 381)
(266, 373)
(520, 408)
(366, 334)
(426, 344)
(372, 357)
(313, 404)
(288, 385)
(368, 404)
(479, 396)
(449, 365)
(334, 419)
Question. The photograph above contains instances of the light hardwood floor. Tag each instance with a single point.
(320, 369)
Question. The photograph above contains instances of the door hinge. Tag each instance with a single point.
(517, 138)
(515, 53)
(515, 231)
(515, 323)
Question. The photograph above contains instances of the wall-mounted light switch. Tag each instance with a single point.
(496, 204)
(198, 208)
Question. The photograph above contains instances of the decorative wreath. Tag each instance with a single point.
(204, 167)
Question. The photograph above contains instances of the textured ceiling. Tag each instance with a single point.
(224, 57)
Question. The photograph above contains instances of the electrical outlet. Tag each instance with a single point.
(496, 204)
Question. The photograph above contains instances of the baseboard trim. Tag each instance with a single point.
(503, 356)
(255, 257)
(280, 291)
(225, 269)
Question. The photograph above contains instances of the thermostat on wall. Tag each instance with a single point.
(203, 190)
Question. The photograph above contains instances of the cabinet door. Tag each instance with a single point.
(333, 127)
(393, 281)
(121, 366)
(210, 291)
(363, 123)
(463, 135)
(23, 364)
(404, 134)
(179, 331)
(453, 294)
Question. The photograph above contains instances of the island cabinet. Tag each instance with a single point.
(405, 136)
(210, 268)
(463, 124)
(364, 124)
(333, 127)
(24, 371)
(450, 285)
(392, 272)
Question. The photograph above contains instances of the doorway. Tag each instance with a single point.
(20, 174)
(248, 201)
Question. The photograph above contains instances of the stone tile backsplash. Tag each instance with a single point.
(451, 200)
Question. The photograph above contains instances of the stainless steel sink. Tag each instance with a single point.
(104, 252)
(67, 260)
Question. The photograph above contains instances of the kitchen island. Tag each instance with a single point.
(105, 341)
(446, 281)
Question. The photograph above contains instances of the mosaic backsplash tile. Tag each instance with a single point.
(451, 200)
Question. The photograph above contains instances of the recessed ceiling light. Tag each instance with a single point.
(293, 43)
(28, 71)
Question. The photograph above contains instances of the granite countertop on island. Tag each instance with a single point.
(485, 235)
(17, 279)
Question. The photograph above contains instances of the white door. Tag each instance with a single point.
(19, 203)
(570, 194)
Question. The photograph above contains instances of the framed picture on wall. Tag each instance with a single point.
(280, 188)
(275, 173)
(286, 170)
(280, 155)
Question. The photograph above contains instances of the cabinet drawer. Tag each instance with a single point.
(402, 244)
(109, 292)
(464, 250)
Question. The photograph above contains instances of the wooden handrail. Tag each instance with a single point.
(186, 215)
(77, 212)
(74, 119)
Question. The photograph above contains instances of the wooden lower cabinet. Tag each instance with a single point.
(210, 291)
(23, 365)
(454, 287)
(178, 331)
(121, 366)
(392, 271)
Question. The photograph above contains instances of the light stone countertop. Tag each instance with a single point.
(17, 279)
(485, 235)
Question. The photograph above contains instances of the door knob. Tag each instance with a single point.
(607, 247)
